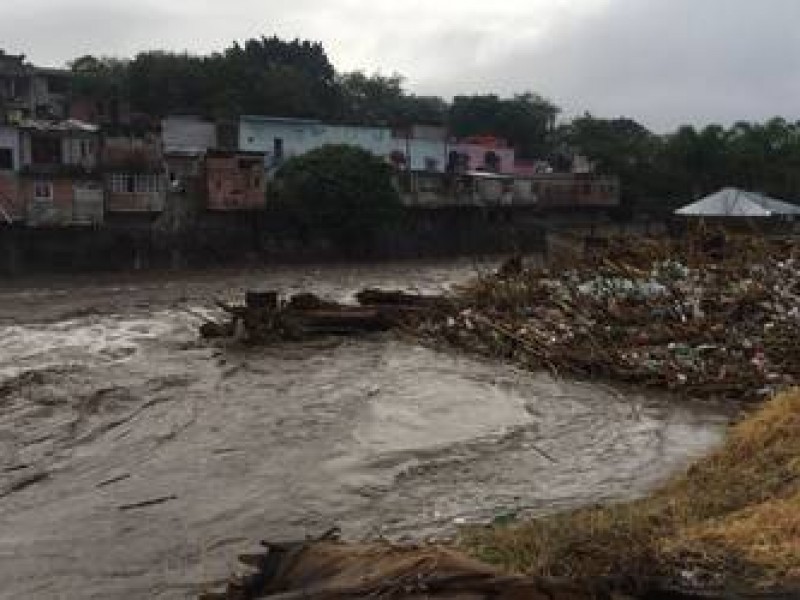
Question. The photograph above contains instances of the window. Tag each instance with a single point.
(57, 84)
(86, 148)
(42, 190)
(431, 164)
(124, 183)
(278, 148)
(119, 183)
(587, 188)
(45, 150)
(6, 159)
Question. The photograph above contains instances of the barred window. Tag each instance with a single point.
(124, 183)
(120, 182)
(42, 190)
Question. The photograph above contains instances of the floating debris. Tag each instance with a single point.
(649, 312)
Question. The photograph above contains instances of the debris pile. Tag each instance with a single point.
(649, 312)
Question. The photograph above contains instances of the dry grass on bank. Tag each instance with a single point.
(736, 512)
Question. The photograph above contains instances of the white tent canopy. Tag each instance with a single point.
(732, 202)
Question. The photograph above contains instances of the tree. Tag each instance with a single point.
(338, 192)
(380, 100)
(526, 120)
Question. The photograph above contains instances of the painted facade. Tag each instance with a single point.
(235, 180)
(483, 154)
(279, 139)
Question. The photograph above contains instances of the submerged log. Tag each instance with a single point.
(341, 320)
(262, 300)
(376, 297)
(307, 301)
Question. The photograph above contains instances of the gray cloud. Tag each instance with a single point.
(663, 62)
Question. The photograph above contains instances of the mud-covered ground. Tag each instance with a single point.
(136, 461)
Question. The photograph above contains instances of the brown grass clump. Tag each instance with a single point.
(735, 513)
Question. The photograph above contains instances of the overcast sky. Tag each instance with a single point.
(662, 62)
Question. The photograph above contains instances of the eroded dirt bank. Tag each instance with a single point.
(135, 461)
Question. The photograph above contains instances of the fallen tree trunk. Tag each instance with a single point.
(265, 318)
(326, 569)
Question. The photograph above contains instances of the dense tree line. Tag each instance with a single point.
(296, 78)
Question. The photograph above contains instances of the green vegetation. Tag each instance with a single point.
(734, 515)
(340, 193)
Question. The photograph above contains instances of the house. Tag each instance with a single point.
(279, 139)
(185, 140)
(134, 174)
(59, 182)
(235, 180)
(567, 190)
(482, 153)
(28, 92)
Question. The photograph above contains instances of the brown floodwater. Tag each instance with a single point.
(136, 461)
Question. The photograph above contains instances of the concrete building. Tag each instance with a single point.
(235, 180)
(279, 139)
(28, 92)
(185, 141)
(59, 182)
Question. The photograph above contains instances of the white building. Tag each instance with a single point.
(283, 138)
(418, 149)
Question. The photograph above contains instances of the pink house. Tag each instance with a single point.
(483, 153)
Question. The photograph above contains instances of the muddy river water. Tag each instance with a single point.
(137, 461)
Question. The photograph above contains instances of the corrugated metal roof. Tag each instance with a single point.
(280, 119)
(732, 202)
(67, 125)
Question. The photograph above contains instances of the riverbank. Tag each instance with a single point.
(731, 521)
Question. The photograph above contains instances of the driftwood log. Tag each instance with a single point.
(326, 569)
(265, 318)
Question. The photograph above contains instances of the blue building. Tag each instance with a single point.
(283, 138)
